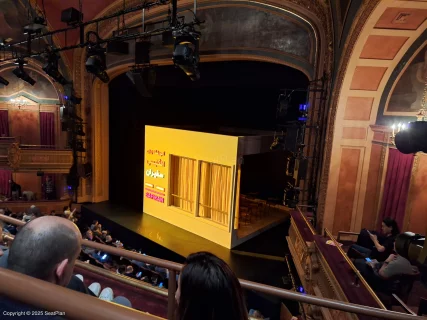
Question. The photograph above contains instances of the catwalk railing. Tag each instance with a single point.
(77, 306)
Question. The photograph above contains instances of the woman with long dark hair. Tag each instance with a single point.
(209, 290)
(376, 246)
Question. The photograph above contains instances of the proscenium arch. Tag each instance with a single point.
(95, 94)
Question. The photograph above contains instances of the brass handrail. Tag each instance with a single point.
(306, 221)
(118, 277)
(249, 285)
(356, 271)
(52, 298)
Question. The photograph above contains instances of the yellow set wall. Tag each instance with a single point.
(160, 144)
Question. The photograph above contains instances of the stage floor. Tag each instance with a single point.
(264, 254)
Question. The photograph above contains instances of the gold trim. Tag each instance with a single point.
(328, 269)
(328, 233)
(259, 255)
(306, 221)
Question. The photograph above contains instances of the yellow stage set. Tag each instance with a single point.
(192, 180)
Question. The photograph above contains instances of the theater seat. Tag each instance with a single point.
(401, 286)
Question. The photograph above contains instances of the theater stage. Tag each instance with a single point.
(261, 259)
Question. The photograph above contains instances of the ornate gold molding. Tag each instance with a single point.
(33, 160)
(14, 156)
(361, 19)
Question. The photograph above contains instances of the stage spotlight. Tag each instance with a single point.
(3, 81)
(21, 74)
(96, 62)
(51, 68)
(412, 140)
(36, 26)
(186, 52)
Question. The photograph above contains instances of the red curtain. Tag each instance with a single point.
(396, 187)
(4, 123)
(47, 128)
(5, 176)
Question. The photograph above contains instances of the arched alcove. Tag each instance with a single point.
(356, 154)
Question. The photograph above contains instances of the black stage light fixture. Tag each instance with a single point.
(80, 146)
(412, 139)
(118, 48)
(3, 81)
(51, 68)
(96, 62)
(79, 130)
(21, 74)
(186, 51)
(142, 52)
(69, 112)
(283, 105)
(144, 80)
(35, 26)
(21, 61)
(75, 99)
(167, 39)
(71, 16)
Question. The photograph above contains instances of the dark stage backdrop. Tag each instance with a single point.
(236, 94)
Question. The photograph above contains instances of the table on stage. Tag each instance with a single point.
(325, 271)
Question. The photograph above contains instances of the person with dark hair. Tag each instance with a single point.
(15, 190)
(377, 273)
(374, 246)
(208, 289)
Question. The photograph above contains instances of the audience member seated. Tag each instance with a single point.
(377, 273)
(4, 251)
(208, 289)
(46, 249)
(94, 225)
(52, 263)
(374, 246)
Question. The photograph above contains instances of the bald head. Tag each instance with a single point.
(46, 248)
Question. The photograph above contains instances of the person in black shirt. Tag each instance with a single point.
(15, 190)
(379, 247)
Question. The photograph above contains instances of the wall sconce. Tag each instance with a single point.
(396, 129)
